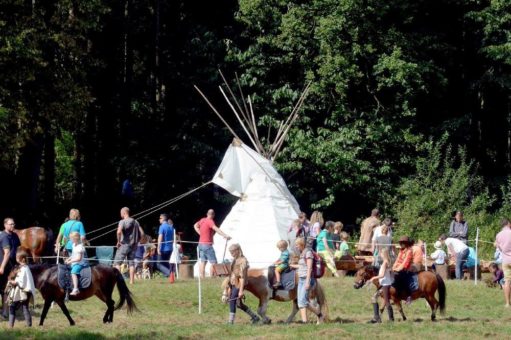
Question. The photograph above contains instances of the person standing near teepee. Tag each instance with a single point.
(206, 229)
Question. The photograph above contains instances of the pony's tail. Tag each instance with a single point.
(124, 293)
(320, 295)
(441, 293)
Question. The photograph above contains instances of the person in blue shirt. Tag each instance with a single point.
(72, 225)
(471, 259)
(165, 243)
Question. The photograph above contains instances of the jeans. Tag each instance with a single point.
(164, 266)
(303, 294)
(461, 258)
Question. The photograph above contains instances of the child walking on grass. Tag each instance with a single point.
(21, 290)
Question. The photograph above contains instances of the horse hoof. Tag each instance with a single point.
(267, 322)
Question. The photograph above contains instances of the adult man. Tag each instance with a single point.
(459, 228)
(503, 242)
(71, 225)
(164, 249)
(366, 233)
(129, 234)
(9, 241)
(456, 249)
(206, 228)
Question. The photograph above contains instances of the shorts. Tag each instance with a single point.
(506, 268)
(281, 267)
(207, 253)
(302, 293)
(125, 251)
(76, 269)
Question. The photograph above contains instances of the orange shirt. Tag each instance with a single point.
(418, 255)
(404, 259)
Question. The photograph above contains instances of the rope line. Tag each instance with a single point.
(149, 211)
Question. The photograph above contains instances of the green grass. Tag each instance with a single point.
(170, 311)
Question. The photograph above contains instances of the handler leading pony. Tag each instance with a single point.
(259, 285)
(429, 283)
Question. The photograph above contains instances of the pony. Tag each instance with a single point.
(103, 281)
(429, 283)
(35, 241)
(259, 285)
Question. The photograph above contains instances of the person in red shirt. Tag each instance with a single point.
(206, 228)
(402, 266)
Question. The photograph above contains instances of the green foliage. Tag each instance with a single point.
(444, 182)
(64, 165)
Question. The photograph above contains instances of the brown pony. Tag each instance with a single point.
(259, 286)
(34, 241)
(429, 283)
(103, 282)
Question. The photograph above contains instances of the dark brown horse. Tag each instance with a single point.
(429, 283)
(102, 285)
(34, 240)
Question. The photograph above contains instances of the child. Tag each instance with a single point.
(385, 279)
(22, 290)
(336, 236)
(344, 248)
(438, 255)
(498, 275)
(77, 261)
(282, 264)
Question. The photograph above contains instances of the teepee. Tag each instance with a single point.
(266, 208)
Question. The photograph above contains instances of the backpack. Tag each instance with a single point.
(318, 266)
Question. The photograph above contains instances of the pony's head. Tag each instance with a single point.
(363, 275)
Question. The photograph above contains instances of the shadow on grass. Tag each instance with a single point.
(340, 320)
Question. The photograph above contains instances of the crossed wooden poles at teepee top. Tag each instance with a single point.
(246, 118)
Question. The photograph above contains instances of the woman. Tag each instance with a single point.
(402, 266)
(325, 247)
(71, 225)
(385, 278)
(237, 282)
(305, 281)
(316, 224)
(383, 241)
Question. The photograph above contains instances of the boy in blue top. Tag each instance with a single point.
(165, 243)
(282, 264)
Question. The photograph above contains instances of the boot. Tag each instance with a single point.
(390, 313)
(12, 317)
(231, 318)
(376, 311)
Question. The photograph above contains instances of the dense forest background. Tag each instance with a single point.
(409, 108)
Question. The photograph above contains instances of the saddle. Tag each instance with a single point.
(64, 277)
(287, 278)
(407, 280)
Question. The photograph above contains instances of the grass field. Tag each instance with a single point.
(170, 311)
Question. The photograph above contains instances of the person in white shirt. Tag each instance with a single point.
(438, 255)
(457, 249)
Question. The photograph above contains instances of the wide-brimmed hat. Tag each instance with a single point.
(438, 245)
(404, 239)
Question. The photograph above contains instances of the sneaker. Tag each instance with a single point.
(408, 300)
(74, 292)
(276, 284)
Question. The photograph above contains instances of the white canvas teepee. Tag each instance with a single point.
(265, 210)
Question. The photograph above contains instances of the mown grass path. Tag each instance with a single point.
(170, 311)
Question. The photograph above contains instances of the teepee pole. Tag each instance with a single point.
(244, 114)
(215, 111)
(240, 120)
